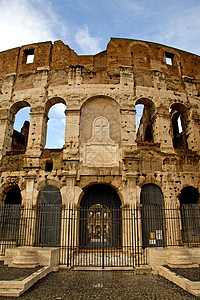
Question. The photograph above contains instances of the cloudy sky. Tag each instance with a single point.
(87, 25)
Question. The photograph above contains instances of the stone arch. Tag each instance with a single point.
(109, 181)
(40, 185)
(100, 205)
(146, 121)
(100, 106)
(153, 217)
(179, 123)
(99, 187)
(19, 105)
(149, 179)
(16, 141)
(8, 185)
(189, 195)
(147, 102)
(52, 101)
(140, 54)
(13, 196)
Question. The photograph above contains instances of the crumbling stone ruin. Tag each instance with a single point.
(102, 145)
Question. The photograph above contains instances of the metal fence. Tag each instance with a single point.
(99, 236)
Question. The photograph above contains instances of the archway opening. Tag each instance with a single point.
(190, 214)
(189, 195)
(100, 218)
(153, 217)
(10, 215)
(13, 196)
(56, 126)
(20, 127)
(179, 119)
(49, 216)
(145, 109)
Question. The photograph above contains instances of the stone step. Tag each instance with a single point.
(16, 287)
(11, 292)
(196, 293)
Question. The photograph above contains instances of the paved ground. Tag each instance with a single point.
(103, 285)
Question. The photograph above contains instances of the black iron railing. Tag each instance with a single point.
(99, 236)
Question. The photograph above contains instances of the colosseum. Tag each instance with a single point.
(122, 189)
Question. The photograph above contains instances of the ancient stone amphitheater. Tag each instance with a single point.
(106, 161)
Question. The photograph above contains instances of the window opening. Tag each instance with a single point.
(144, 123)
(21, 129)
(177, 131)
(29, 54)
(169, 58)
(56, 127)
(139, 112)
(49, 166)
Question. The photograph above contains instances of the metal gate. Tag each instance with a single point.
(100, 236)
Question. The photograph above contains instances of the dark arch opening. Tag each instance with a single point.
(145, 110)
(189, 195)
(100, 218)
(10, 215)
(190, 214)
(13, 196)
(100, 194)
(179, 118)
(177, 131)
(153, 216)
(49, 216)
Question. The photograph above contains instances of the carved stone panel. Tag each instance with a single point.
(101, 150)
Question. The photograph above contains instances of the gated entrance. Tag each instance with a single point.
(100, 226)
(49, 217)
(153, 217)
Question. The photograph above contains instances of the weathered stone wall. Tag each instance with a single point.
(107, 86)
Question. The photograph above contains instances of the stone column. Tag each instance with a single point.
(70, 151)
(193, 129)
(128, 129)
(6, 129)
(161, 129)
(37, 132)
(126, 78)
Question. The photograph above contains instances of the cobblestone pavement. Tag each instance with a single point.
(69, 284)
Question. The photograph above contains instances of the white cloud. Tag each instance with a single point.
(57, 110)
(181, 29)
(28, 21)
(87, 43)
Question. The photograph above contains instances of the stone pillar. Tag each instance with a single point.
(75, 75)
(161, 129)
(126, 78)
(193, 129)
(29, 198)
(6, 129)
(70, 150)
(128, 129)
(37, 132)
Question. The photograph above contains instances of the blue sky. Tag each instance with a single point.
(87, 25)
